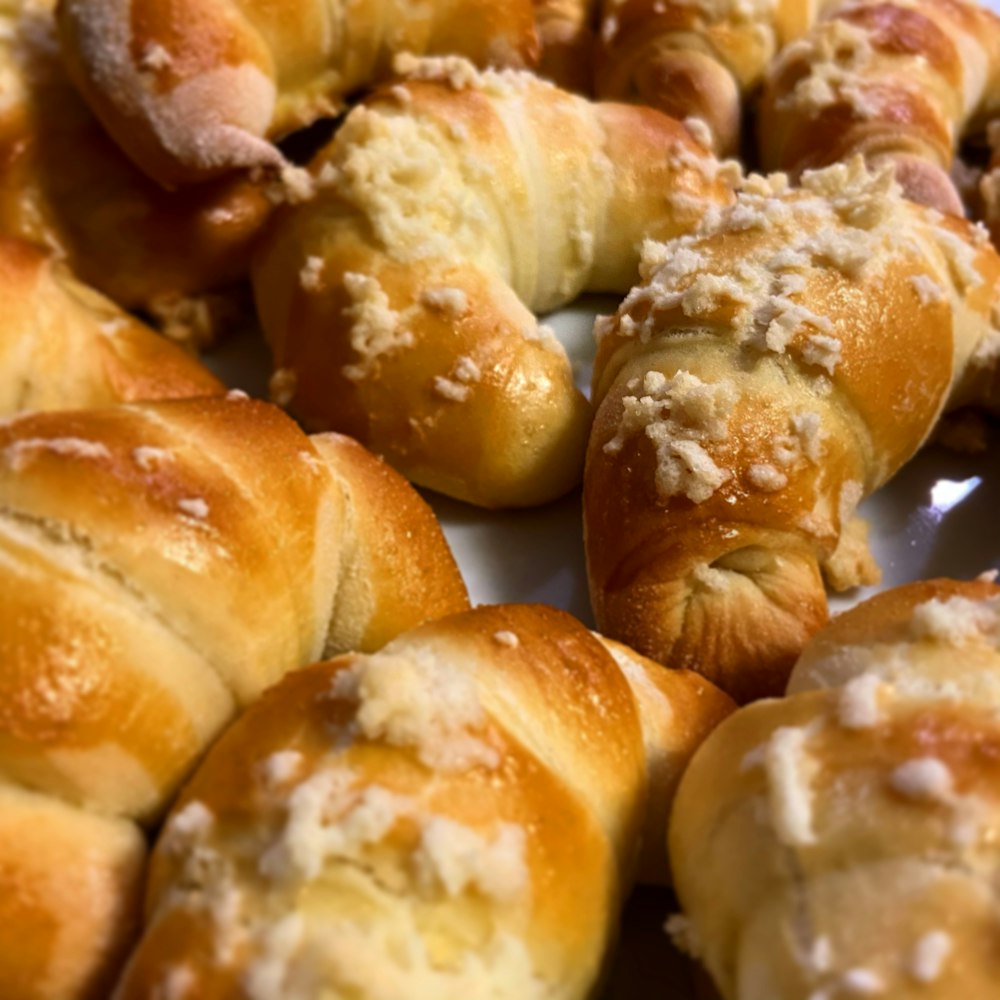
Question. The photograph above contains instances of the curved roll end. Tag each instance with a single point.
(688, 84)
(183, 111)
(740, 620)
(70, 887)
(924, 182)
(401, 572)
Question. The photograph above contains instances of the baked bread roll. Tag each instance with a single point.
(160, 565)
(841, 842)
(694, 58)
(65, 185)
(191, 89)
(457, 815)
(772, 370)
(62, 345)
(398, 301)
(895, 81)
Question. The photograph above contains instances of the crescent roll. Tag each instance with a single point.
(65, 185)
(191, 89)
(457, 815)
(897, 81)
(160, 565)
(841, 842)
(398, 301)
(772, 370)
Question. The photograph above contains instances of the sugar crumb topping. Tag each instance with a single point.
(149, 459)
(376, 328)
(453, 302)
(194, 507)
(458, 858)
(927, 289)
(267, 973)
(790, 770)
(419, 700)
(504, 637)
(923, 779)
(766, 478)
(930, 955)
(155, 57)
(957, 620)
(459, 73)
(858, 705)
(191, 823)
(679, 415)
(311, 274)
(458, 385)
(280, 767)
(19, 454)
(329, 816)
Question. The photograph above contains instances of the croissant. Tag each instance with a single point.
(62, 345)
(195, 88)
(895, 81)
(772, 370)
(693, 58)
(65, 185)
(397, 300)
(841, 841)
(457, 815)
(160, 565)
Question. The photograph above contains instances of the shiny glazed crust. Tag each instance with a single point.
(193, 88)
(162, 565)
(397, 299)
(694, 58)
(841, 839)
(457, 815)
(772, 370)
(64, 184)
(63, 345)
(894, 81)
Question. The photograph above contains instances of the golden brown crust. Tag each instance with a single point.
(856, 811)
(677, 710)
(70, 893)
(750, 395)
(161, 565)
(893, 81)
(397, 300)
(64, 184)
(398, 570)
(695, 58)
(62, 345)
(192, 89)
(456, 815)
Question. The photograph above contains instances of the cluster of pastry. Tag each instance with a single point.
(457, 804)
